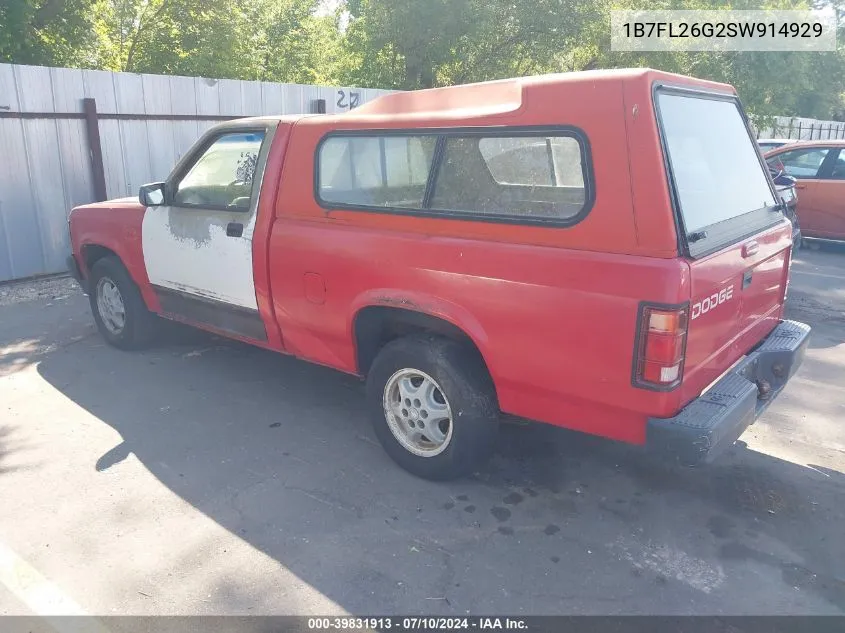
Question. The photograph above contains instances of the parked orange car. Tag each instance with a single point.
(819, 167)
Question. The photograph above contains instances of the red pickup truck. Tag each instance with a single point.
(602, 251)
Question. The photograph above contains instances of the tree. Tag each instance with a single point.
(410, 44)
(769, 83)
(404, 44)
(188, 37)
(280, 40)
(48, 32)
(294, 42)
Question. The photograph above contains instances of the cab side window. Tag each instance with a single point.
(537, 177)
(223, 177)
(800, 163)
(378, 171)
(520, 177)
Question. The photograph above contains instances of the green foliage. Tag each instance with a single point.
(770, 83)
(403, 44)
(48, 32)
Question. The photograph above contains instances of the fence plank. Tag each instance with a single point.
(129, 90)
(8, 89)
(67, 84)
(229, 94)
(100, 85)
(183, 100)
(158, 100)
(207, 93)
(272, 100)
(45, 174)
(295, 100)
(251, 104)
(75, 159)
(21, 240)
(35, 91)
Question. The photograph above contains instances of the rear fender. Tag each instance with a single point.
(427, 304)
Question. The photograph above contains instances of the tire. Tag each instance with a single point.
(139, 324)
(466, 389)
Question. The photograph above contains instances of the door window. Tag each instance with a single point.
(223, 176)
(838, 170)
(800, 163)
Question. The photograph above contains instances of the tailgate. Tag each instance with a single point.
(736, 299)
(731, 228)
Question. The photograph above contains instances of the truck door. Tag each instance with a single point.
(805, 165)
(829, 197)
(198, 245)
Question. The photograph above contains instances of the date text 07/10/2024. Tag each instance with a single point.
(416, 623)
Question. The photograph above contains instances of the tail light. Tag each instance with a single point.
(660, 346)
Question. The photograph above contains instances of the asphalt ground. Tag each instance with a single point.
(208, 477)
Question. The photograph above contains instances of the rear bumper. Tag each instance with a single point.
(73, 267)
(713, 421)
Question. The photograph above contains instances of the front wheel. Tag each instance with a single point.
(118, 307)
(433, 406)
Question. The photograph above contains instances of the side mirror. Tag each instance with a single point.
(152, 195)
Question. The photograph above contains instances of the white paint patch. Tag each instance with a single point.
(42, 596)
(672, 563)
(198, 257)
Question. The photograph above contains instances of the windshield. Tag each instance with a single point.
(715, 163)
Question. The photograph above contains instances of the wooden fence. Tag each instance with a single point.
(70, 136)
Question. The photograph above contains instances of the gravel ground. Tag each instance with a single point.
(47, 289)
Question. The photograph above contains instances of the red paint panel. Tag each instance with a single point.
(727, 320)
(555, 326)
(116, 225)
(270, 191)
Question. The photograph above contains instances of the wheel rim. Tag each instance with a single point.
(418, 412)
(110, 306)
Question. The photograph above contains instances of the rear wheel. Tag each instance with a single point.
(119, 310)
(433, 406)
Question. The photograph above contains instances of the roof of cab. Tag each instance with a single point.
(479, 99)
(505, 95)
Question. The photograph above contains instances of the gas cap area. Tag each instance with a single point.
(315, 288)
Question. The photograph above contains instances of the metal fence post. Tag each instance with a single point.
(92, 128)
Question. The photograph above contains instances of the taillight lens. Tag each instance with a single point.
(660, 347)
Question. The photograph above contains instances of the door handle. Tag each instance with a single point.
(797, 186)
(750, 248)
(234, 229)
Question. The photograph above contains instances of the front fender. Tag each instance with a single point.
(118, 230)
